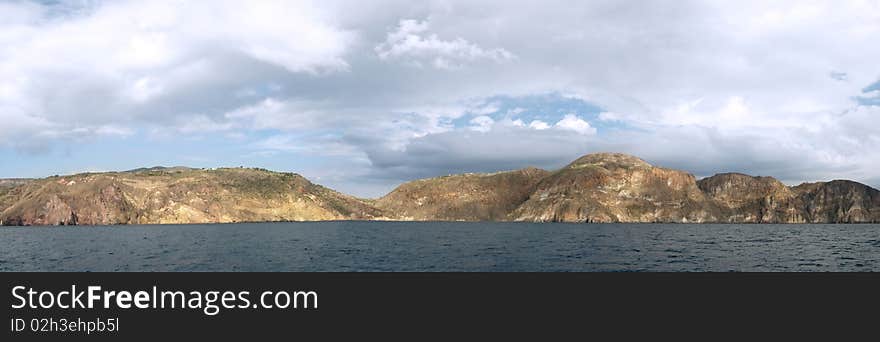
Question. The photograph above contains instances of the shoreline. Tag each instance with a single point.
(441, 221)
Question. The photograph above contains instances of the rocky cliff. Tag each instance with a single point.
(748, 199)
(838, 201)
(766, 200)
(603, 187)
(610, 187)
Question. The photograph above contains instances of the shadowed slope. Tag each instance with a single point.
(467, 197)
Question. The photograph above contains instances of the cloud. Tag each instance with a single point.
(408, 43)
(570, 122)
(840, 76)
(573, 123)
(67, 66)
(538, 124)
(322, 145)
(486, 144)
(274, 114)
(504, 147)
(482, 123)
(785, 88)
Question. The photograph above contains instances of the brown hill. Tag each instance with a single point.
(177, 196)
(467, 197)
(7, 191)
(612, 187)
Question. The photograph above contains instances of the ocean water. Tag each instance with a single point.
(442, 246)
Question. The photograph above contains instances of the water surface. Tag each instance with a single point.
(442, 246)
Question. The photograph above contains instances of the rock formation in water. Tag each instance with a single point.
(604, 187)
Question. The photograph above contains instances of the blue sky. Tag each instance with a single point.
(363, 100)
(871, 95)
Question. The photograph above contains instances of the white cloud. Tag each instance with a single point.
(144, 89)
(482, 123)
(64, 66)
(539, 125)
(573, 123)
(409, 43)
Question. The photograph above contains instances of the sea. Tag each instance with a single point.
(367, 246)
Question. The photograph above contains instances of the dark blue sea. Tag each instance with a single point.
(442, 246)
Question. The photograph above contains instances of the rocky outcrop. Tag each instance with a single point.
(838, 201)
(748, 199)
(467, 197)
(610, 187)
(766, 200)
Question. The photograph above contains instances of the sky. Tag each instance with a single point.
(361, 96)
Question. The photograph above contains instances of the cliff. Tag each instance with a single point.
(749, 199)
(838, 201)
(610, 187)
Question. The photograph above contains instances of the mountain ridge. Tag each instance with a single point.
(598, 187)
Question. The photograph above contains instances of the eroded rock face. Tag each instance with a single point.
(610, 187)
(736, 189)
(749, 199)
(839, 201)
(467, 197)
(766, 200)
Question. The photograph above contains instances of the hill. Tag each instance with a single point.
(601, 187)
(178, 195)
